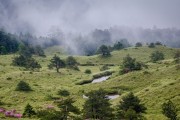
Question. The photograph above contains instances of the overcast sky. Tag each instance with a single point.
(41, 16)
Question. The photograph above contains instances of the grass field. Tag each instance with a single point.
(154, 85)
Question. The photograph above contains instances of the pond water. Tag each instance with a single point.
(100, 79)
(111, 97)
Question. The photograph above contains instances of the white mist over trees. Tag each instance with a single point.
(84, 25)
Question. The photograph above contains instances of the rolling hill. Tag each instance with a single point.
(153, 85)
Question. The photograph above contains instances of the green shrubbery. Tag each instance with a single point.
(130, 108)
(28, 111)
(87, 71)
(169, 110)
(63, 92)
(156, 56)
(130, 64)
(23, 86)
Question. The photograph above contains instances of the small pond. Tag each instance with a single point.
(111, 97)
(101, 79)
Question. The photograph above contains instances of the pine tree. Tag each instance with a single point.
(104, 50)
(57, 63)
(97, 106)
(28, 111)
(169, 110)
(23, 86)
(130, 107)
(66, 107)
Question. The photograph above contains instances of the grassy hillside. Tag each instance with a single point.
(154, 85)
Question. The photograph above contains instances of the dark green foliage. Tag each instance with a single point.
(104, 50)
(133, 102)
(104, 67)
(156, 56)
(64, 93)
(23, 86)
(158, 43)
(27, 62)
(97, 106)
(169, 110)
(8, 43)
(118, 46)
(28, 111)
(66, 107)
(130, 108)
(39, 51)
(57, 63)
(3, 50)
(71, 61)
(1, 103)
(75, 67)
(177, 57)
(87, 71)
(138, 44)
(151, 45)
(25, 59)
(130, 64)
(49, 115)
(64, 113)
(25, 51)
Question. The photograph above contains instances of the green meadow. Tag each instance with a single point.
(153, 85)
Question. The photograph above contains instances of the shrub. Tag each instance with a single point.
(23, 86)
(104, 67)
(130, 108)
(75, 68)
(156, 56)
(63, 93)
(169, 110)
(28, 111)
(1, 103)
(104, 50)
(151, 45)
(71, 61)
(49, 115)
(130, 64)
(158, 43)
(87, 71)
(138, 44)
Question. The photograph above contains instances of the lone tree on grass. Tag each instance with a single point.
(104, 50)
(57, 63)
(66, 107)
(71, 61)
(156, 56)
(23, 86)
(130, 108)
(28, 111)
(130, 64)
(169, 110)
(97, 106)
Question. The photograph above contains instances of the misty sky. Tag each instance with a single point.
(41, 16)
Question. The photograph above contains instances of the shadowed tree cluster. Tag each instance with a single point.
(56, 63)
(130, 64)
(156, 56)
